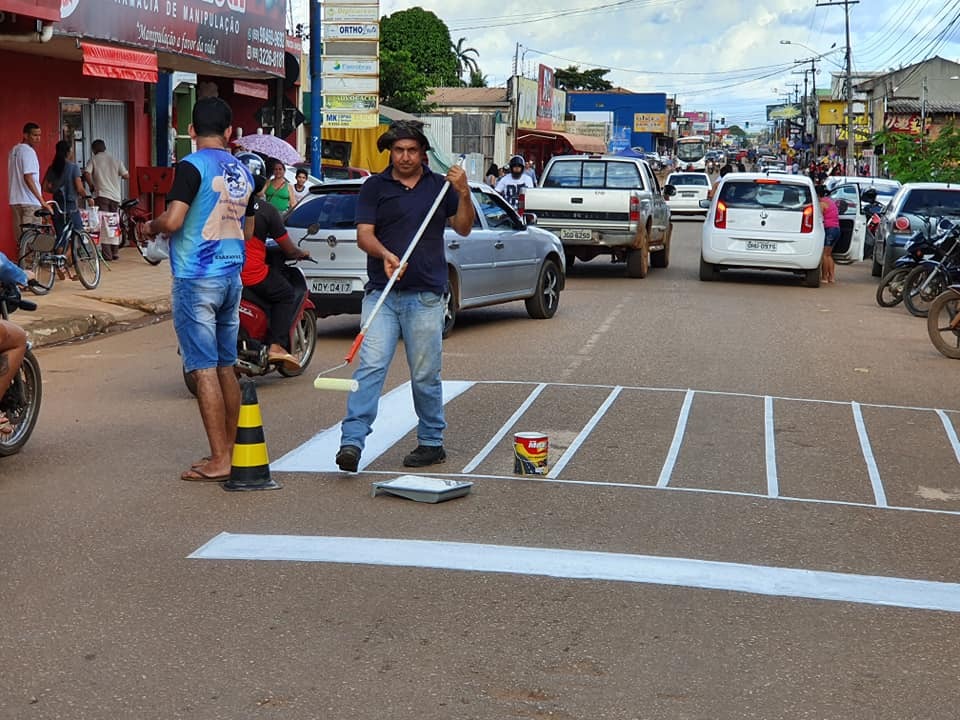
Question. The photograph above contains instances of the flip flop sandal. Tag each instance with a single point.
(197, 475)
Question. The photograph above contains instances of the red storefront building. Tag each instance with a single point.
(126, 71)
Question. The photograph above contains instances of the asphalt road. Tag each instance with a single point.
(736, 430)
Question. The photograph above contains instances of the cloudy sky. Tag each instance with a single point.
(723, 56)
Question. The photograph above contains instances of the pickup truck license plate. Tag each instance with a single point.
(761, 245)
(575, 234)
(328, 286)
(688, 194)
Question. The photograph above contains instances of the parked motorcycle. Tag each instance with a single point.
(21, 402)
(931, 277)
(919, 247)
(943, 322)
(253, 339)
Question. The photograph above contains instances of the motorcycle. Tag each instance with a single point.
(931, 277)
(943, 322)
(918, 248)
(21, 402)
(253, 338)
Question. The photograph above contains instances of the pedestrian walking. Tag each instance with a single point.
(23, 179)
(103, 174)
(831, 234)
(391, 207)
(493, 174)
(210, 213)
(300, 189)
(64, 181)
(530, 170)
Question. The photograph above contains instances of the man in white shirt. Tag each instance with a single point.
(23, 176)
(510, 186)
(103, 174)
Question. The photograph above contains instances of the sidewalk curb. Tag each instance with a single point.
(58, 329)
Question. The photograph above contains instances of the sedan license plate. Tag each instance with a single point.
(762, 245)
(688, 194)
(326, 286)
(575, 234)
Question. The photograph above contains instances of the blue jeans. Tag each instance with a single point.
(206, 316)
(417, 317)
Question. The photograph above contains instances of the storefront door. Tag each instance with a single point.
(83, 121)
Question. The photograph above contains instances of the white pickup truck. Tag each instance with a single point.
(604, 205)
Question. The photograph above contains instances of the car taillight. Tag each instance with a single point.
(720, 219)
(634, 209)
(806, 223)
(522, 203)
(902, 224)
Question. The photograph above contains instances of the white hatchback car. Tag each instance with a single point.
(763, 221)
(692, 187)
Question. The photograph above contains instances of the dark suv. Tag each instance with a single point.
(916, 206)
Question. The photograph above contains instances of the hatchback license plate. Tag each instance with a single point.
(575, 234)
(686, 194)
(762, 245)
(331, 287)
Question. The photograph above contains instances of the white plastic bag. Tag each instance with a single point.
(158, 248)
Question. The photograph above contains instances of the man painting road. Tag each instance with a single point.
(390, 209)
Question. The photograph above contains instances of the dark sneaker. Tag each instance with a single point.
(425, 455)
(348, 458)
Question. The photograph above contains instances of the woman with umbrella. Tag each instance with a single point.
(279, 192)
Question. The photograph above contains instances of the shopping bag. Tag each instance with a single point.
(91, 219)
(110, 228)
(158, 248)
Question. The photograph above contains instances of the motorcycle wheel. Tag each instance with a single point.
(918, 301)
(890, 289)
(21, 404)
(943, 311)
(303, 344)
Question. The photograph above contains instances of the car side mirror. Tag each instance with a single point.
(669, 191)
(530, 218)
(705, 204)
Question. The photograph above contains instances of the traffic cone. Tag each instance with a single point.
(250, 469)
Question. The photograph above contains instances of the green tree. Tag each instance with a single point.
(426, 39)
(402, 85)
(573, 78)
(478, 79)
(465, 63)
(937, 161)
(737, 130)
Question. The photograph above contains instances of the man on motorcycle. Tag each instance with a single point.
(276, 294)
(13, 340)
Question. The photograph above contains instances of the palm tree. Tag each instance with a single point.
(465, 63)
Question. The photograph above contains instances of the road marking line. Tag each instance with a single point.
(951, 433)
(875, 481)
(674, 451)
(588, 565)
(395, 418)
(583, 434)
(504, 429)
(773, 483)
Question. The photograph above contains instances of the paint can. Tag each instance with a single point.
(530, 450)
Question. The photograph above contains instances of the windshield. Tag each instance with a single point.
(593, 174)
(689, 180)
(691, 150)
(932, 203)
(778, 196)
(334, 210)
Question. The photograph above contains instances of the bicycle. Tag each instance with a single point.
(49, 254)
(131, 222)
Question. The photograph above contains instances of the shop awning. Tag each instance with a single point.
(579, 143)
(48, 10)
(119, 63)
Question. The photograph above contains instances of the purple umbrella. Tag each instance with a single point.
(271, 146)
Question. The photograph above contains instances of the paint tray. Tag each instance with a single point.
(423, 489)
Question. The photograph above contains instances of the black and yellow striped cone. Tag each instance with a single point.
(250, 469)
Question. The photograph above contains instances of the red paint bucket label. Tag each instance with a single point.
(530, 452)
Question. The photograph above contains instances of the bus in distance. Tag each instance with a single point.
(691, 151)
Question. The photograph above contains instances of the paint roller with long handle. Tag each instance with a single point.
(350, 385)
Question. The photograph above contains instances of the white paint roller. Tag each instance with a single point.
(344, 384)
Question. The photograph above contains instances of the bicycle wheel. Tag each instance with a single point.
(890, 290)
(86, 260)
(921, 288)
(943, 326)
(37, 261)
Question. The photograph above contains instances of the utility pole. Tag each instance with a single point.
(923, 111)
(851, 160)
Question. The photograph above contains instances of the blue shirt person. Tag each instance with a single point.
(13, 340)
(390, 209)
(209, 215)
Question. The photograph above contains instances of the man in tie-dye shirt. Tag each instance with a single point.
(209, 217)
